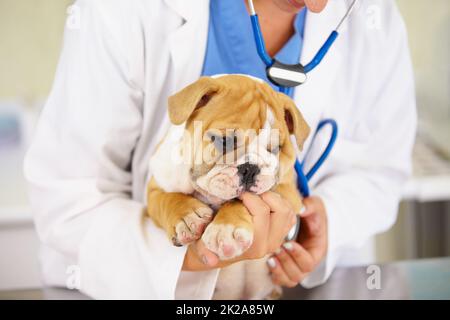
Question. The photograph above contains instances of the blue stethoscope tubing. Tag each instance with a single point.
(302, 178)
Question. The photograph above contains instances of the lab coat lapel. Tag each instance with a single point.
(187, 44)
(317, 94)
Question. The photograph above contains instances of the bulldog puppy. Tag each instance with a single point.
(230, 134)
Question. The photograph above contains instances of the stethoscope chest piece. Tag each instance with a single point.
(286, 75)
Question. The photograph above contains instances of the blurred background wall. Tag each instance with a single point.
(428, 24)
(423, 225)
(30, 41)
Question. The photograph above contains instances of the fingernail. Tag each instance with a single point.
(288, 246)
(302, 210)
(204, 260)
(271, 263)
(278, 251)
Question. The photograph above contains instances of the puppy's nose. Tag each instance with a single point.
(248, 173)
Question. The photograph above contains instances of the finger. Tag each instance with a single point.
(302, 258)
(255, 204)
(206, 256)
(290, 266)
(313, 220)
(278, 274)
(276, 203)
(260, 213)
(282, 218)
(309, 207)
(313, 225)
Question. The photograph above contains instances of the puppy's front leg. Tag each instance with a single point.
(231, 232)
(182, 216)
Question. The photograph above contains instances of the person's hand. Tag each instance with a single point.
(295, 259)
(273, 217)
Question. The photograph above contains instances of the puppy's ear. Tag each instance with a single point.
(196, 95)
(295, 122)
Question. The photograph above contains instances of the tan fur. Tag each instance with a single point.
(168, 208)
(235, 213)
(238, 102)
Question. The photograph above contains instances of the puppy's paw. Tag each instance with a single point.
(191, 226)
(227, 240)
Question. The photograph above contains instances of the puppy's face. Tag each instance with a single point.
(237, 135)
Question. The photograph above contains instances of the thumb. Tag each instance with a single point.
(206, 256)
(313, 217)
(308, 207)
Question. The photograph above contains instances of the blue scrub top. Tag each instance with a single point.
(231, 47)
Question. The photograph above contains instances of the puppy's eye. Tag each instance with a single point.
(224, 143)
(274, 149)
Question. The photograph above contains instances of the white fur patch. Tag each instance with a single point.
(167, 165)
(270, 120)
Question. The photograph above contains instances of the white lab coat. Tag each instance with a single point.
(88, 164)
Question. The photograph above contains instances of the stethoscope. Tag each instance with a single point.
(286, 76)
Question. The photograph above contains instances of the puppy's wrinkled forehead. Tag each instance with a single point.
(235, 102)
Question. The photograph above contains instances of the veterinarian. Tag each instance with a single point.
(88, 165)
